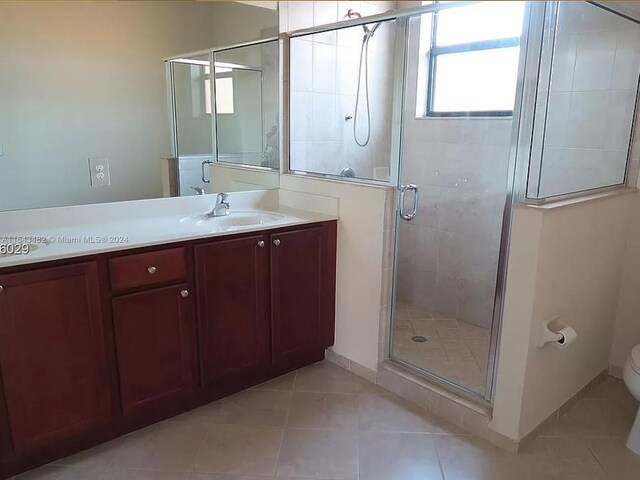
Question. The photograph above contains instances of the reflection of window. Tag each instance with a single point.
(224, 95)
(473, 59)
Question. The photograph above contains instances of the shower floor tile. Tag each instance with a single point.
(452, 349)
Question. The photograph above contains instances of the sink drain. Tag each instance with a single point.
(419, 339)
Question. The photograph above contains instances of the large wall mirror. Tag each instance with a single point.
(84, 88)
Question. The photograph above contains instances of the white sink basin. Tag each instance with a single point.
(235, 220)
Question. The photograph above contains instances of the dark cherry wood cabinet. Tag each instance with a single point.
(296, 294)
(95, 347)
(232, 279)
(52, 355)
(153, 337)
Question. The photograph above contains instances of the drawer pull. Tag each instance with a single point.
(152, 270)
(184, 293)
(260, 244)
(276, 242)
(1, 288)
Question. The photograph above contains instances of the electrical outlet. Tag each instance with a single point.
(99, 171)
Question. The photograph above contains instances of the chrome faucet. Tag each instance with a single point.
(221, 207)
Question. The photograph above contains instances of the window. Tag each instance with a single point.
(224, 95)
(473, 59)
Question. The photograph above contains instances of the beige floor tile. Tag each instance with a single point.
(215, 476)
(592, 418)
(59, 472)
(398, 456)
(394, 414)
(469, 330)
(94, 459)
(471, 458)
(239, 449)
(618, 462)
(333, 411)
(126, 474)
(560, 459)
(164, 446)
(205, 415)
(318, 454)
(327, 377)
(255, 407)
(298, 478)
(417, 312)
(285, 382)
(451, 344)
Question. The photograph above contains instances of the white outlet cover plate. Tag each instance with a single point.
(99, 171)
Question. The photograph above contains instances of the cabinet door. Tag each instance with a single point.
(52, 354)
(297, 294)
(153, 334)
(232, 293)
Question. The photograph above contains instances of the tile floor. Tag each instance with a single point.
(323, 422)
(455, 350)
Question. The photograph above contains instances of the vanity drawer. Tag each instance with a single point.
(147, 268)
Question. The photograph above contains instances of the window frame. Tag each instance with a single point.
(432, 60)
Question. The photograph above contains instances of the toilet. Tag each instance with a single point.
(631, 375)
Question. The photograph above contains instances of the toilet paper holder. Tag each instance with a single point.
(554, 331)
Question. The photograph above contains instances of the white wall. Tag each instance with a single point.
(568, 260)
(83, 79)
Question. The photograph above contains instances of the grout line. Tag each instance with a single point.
(435, 444)
(200, 449)
(111, 463)
(593, 454)
(286, 424)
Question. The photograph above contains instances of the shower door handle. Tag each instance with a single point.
(204, 177)
(403, 190)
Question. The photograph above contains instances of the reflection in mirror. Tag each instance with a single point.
(192, 106)
(245, 127)
(247, 105)
(83, 94)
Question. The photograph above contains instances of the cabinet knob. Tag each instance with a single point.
(184, 293)
(261, 243)
(276, 242)
(152, 270)
(1, 288)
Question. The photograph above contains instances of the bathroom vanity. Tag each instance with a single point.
(98, 344)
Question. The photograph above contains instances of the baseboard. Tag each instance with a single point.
(350, 365)
(597, 380)
(615, 371)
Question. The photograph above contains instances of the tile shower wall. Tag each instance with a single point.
(591, 100)
(324, 74)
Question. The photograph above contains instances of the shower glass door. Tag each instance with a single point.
(460, 88)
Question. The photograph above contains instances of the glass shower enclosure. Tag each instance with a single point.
(461, 77)
(470, 106)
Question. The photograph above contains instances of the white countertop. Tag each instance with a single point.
(74, 239)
